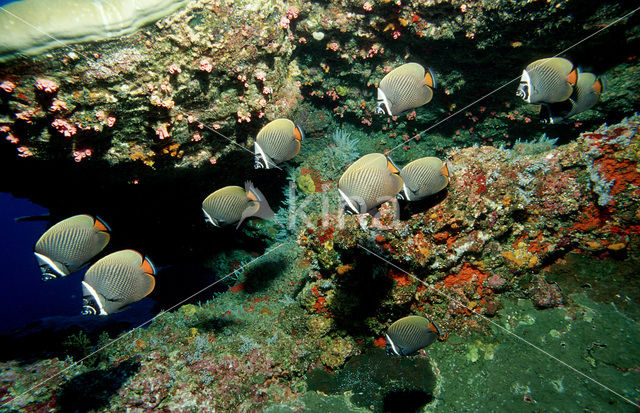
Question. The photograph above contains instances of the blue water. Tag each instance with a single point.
(24, 298)
(3, 2)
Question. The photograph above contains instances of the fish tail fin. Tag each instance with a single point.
(260, 207)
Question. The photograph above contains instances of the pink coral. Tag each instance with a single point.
(162, 131)
(243, 117)
(367, 6)
(174, 68)
(24, 152)
(7, 86)
(46, 85)
(496, 282)
(64, 127)
(292, 12)
(12, 139)
(58, 106)
(206, 66)
(25, 115)
(284, 22)
(80, 155)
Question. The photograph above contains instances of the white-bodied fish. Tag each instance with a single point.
(423, 177)
(409, 334)
(406, 87)
(115, 281)
(277, 142)
(232, 204)
(548, 80)
(368, 182)
(70, 244)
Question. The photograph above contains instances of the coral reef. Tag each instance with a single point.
(200, 83)
(489, 237)
(537, 233)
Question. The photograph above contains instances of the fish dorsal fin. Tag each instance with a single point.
(251, 191)
(278, 125)
(297, 133)
(299, 147)
(231, 190)
(370, 161)
(103, 239)
(572, 78)
(587, 80)
(148, 267)
(392, 166)
(432, 162)
(100, 225)
(80, 220)
(598, 87)
(430, 79)
(415, 70)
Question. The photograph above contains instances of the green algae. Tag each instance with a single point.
(306, 184)
(589, 336)
(380, 382)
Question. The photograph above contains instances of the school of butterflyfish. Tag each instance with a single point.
(123, 277)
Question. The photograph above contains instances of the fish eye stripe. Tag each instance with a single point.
(51, 264)
(392, 344)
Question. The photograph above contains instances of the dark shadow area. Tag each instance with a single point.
(409, 208)
(179, 282)
(75, 336)
(359, 293)
(212, 325)
(406, 401)
(380, 382)
(92, 390)
(260, 275)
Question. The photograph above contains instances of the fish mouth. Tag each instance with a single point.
(261, 159)
(524, 88)
(208, 218)
(50, 269)
(91, 302)
(349, 207)
(523, 91)
(382, 103)
(48, 276)
(88, 309)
